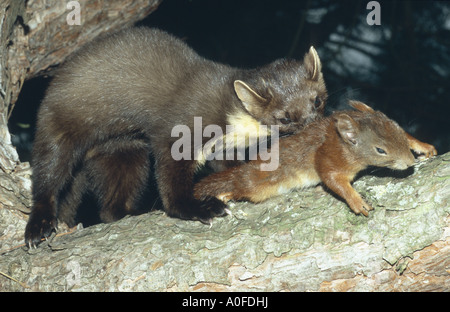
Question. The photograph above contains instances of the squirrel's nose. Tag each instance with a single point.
(400, 165)
(404, 163)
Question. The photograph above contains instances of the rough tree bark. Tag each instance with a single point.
(35, 36)
(306, 240)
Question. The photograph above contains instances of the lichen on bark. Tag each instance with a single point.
(302, 241)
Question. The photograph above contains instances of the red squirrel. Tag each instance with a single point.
(111, 108)
(331, 150)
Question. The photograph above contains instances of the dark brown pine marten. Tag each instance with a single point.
(331, 150)
(112, 106)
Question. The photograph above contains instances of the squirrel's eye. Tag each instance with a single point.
(317, 102)
(381, 151)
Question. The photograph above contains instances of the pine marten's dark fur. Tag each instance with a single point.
(114, 104)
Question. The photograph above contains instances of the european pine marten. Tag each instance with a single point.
(113, 105)
(331, 150)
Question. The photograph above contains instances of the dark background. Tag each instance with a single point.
(400, 67)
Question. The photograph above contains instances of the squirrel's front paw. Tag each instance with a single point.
(225, 197)
(360, 206)
(425, 150)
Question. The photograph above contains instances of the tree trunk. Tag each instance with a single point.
(304, 241)
(36, 35)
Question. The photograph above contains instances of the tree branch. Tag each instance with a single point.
(304, 241)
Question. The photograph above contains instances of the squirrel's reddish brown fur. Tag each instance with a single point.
(331, 150)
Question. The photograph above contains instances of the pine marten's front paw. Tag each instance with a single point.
(212, 207)
(39, 226)
(204, 210)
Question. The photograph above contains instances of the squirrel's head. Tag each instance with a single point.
(373, 138)
(287, 93)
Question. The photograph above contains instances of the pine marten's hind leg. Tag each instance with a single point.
(53, 163)
(118, 172)
(71, 197)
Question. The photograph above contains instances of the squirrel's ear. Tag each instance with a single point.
(347, 128)
(360, 106)
(312, 64)
(252, 101)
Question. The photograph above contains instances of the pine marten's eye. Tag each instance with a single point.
(381, 151)
(317, 102)
(286, 120)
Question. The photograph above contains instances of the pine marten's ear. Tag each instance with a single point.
(253, 102)
(347, 128)
(312, 64)
(360, 106)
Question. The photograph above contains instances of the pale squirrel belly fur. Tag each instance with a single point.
(112, 106)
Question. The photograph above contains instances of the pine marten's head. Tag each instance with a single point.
(287, 93)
